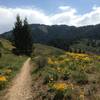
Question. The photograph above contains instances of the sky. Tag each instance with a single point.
(49, 12)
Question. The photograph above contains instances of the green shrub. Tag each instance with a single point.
(51, 77)
(2, 84)
(59, 95)
(80, 77)
(72, 66)
(63, 95)
(40, 61)
(66, 75)
(68, 94)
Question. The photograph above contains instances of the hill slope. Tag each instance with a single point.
(9, 64)
(65, 75)
(61, 36)
(57, 74)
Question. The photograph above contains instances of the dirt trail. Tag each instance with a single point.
(21, 87)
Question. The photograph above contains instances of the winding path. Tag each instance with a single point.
(21, 87)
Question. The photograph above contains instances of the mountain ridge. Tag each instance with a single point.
(61, 36)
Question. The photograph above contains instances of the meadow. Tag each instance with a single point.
(56, 75)
(66, 75)
(9, 63)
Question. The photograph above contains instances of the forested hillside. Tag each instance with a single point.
(61, 36)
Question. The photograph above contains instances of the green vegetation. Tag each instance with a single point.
(65, 75)
(22, 37)
(86, 46)
(9, 63)
(57, 75)
(73, 74)
(63, 36)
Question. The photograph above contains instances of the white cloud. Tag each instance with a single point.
(8, 17)
(90, 18)
(67, 9)
(63, 8)
(70, 16)
(67, 15)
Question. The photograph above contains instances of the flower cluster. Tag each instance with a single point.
(81, 95)
(3, 78)
(78, 56)
(50, 61)
(64, 60)
(63, 86)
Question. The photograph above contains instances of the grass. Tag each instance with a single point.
(10, 64)
(76, 70)
(58, 74)
(10, 61)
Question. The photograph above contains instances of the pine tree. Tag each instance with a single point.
(27, 38)
(22, 37)
(17, 33)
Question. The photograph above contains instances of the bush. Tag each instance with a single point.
(72, 66)
(65, 76)
(40, 61)
(68, 94)
(64, 95)
(59, 95)
(80, 77)
(2, 84)
(51, 77)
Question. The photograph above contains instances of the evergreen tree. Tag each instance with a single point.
(17, 33)
(27, 37)
(22, 37)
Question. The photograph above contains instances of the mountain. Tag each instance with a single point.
(61, 36)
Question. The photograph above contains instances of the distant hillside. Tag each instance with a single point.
(5, 46)
(61, 36)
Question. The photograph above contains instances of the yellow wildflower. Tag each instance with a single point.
(82, 94)
(50, 61)
(86, 59)
(56, 62)
(72, 86)
(63, 86)
(82, 97)
(59, 86)
(67, 60)
(58, 69)
(78, 56)
(3, 78)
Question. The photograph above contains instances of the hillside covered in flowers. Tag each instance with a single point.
(66, 76)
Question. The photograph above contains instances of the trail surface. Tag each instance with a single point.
(21, 87)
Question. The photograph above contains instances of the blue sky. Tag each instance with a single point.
(50, 6)
(49, 12)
